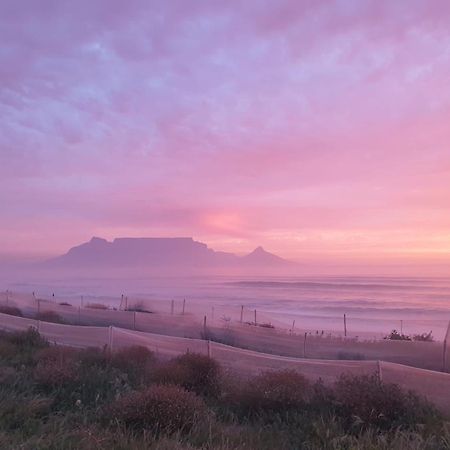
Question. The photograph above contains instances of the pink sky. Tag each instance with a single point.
(318, 129)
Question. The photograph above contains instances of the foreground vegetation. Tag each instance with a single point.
(54, 397)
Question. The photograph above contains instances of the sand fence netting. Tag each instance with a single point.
(433, 385)
(261, 335)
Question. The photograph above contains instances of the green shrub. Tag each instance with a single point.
(18, 411)
(27, 339)
(135, 356)
(7, 374)
(139, 307)
(365, 400)
(424, 337)
(56, 366)
(192, 371)
(159, 408)
(18, 348)
(274, 392)
(11, 310)
(136, 361)
(7, 350)
(394, 335)
(95, 357)
(96, 306)
(79, 377)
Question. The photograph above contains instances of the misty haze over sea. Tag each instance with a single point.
(373, 305)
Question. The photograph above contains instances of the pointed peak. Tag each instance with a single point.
(259, 249)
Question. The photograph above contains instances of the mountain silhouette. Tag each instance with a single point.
(260, 257)
(158, 252)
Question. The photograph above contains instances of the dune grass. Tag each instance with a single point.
(54, 397)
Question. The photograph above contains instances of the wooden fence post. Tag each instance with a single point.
(110, 338)
(204, 327)
(304, 346)
(184, 305)
(242, 313)
(345, 325)
(380, 375)
(134, 320)
(172, 305)
(444, 349)
(255, 317)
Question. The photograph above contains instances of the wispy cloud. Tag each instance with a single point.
(275, 122)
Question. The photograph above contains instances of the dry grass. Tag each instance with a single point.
(160, 409)
(56, 366)
(275, 392)
(192, 371)
(55, 397)
(365, 400)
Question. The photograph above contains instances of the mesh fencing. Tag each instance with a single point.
(433, 385)
(258, 336)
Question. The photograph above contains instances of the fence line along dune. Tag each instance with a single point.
(434, 386)
(251, 336)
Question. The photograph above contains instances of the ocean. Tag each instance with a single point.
(373, 306)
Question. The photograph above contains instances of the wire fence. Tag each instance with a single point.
(256, 335)
(433, 385)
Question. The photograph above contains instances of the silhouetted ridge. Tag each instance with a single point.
(155, 252)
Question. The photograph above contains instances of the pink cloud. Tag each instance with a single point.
(238, 122)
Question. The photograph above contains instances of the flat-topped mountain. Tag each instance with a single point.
(158, 252)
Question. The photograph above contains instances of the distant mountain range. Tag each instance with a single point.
(159, 252)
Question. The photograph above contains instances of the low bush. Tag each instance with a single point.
(19, 411)
(49, 316)
(55, 373)
(192, 371)
(29, 338)
(394, 335)
(139, 307)
(365, 400)
(95, 357)
(96, 306)
(7, 350)
(266, 325)
(7, 374)
(56, 366)
(160, 409)
(136, 361)
(424, 337)
(274, 392)
(134, 356)
(11, 310)
(65, 304)
(18, 348)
